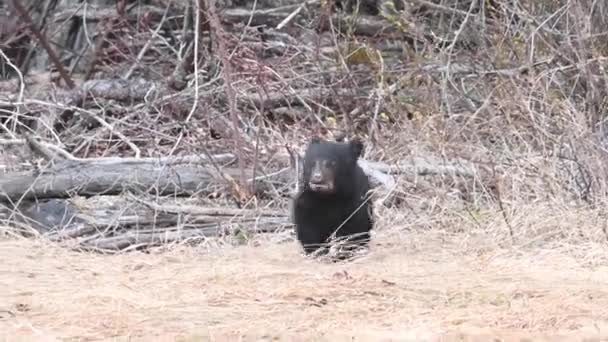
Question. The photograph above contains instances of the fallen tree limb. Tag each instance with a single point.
(137, 240)
(112, 230)
(131, 240)
(195, 210)
(67, 178)
(143, 220)
(426, 166)
(109, 226)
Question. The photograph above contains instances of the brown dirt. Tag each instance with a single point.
(411, 287)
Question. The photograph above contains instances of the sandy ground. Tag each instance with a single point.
(422, 289)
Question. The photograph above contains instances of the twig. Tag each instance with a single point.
(21, 81)
(52, 55)
(227, 74)
(110, 128)
(196, 50)
(45, 13)
(42, 149)
(21, 89)
(290, 16)
(144, 49)
(501, 206)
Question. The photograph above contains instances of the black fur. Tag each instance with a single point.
(339, 189)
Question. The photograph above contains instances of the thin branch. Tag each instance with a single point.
(52, 55)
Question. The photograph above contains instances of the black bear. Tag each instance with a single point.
(334, 199)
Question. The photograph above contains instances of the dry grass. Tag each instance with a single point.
(422, 286)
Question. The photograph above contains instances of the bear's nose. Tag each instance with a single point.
(316, 177)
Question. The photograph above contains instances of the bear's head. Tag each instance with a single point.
(330, 168)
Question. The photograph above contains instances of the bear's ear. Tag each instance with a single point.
(356, 146)
(340, 137)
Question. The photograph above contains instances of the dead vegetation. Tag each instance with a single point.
(171, 129)
(413, 286)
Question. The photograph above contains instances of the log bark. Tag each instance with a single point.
(67, 178)
(109, 230)
(111, 226)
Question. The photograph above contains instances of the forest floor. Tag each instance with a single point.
(430, 286)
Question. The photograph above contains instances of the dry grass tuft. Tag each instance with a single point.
(419, 286)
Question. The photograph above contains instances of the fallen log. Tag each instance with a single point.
(204, 212)
(113, 176)
(426, 166)
(132, 240)
(69, 178)
(111, 230)
(111, 226)
(137, 239)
